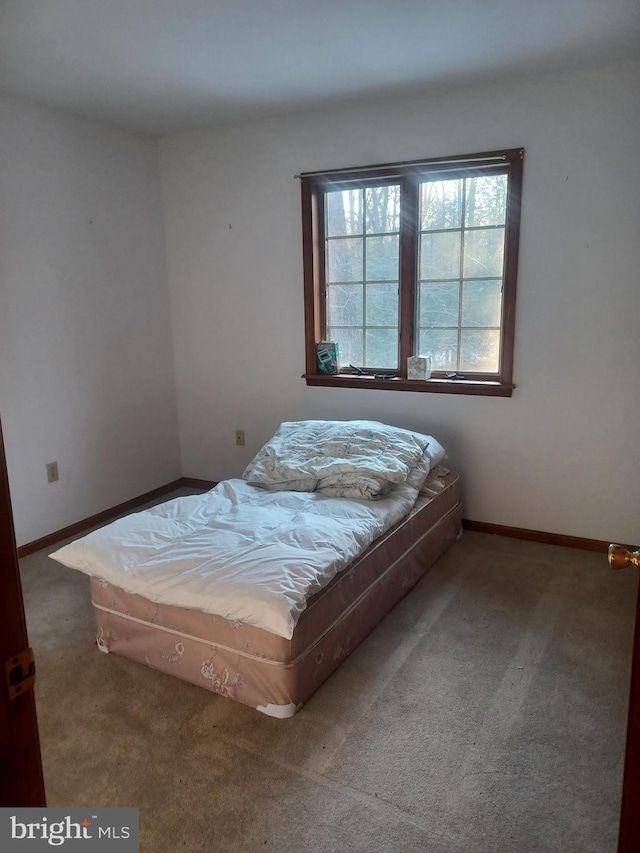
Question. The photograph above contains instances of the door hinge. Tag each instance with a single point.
(21, 673)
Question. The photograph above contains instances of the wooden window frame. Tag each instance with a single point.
(409, 175)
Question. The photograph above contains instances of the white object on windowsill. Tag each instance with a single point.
(419, 367)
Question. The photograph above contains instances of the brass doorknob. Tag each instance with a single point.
(620, 557)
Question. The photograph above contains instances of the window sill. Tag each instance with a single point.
(475, 387)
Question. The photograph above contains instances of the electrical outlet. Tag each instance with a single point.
(52, 472)
(240, 437)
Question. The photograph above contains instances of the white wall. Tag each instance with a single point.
(562, 454)
(86, 364)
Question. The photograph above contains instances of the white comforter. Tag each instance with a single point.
(239, 551)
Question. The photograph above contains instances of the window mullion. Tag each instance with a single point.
(408, 270)
(463, 216)
(363, 205)
(320, 242)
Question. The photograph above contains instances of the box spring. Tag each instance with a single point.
(268, 672)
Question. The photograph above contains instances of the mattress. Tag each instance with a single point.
(273, 673)
(245, 552)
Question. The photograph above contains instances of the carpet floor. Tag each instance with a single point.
(487, 712)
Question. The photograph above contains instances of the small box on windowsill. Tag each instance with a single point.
(419, 367)
(327, 357)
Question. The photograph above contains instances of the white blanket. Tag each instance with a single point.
(241, 552)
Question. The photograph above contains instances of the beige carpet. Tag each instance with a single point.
(486, 713)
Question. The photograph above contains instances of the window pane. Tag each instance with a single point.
(479, 350)
(344, 304)
(382, 348)
(439, 304)
(441, 345)
(382, 305)
(440, 255)
(383, 258)
(441, 204)
(484, 253)
(344, 259)
(349, 344)
(481, 303)
(486, 200)
(382, 205)
(343, 213)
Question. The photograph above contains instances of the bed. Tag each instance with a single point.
(258, 589)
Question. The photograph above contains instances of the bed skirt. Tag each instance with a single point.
(270, 673)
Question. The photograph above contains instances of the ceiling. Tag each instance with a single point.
(159, 66)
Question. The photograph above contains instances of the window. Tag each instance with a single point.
(414, 259)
